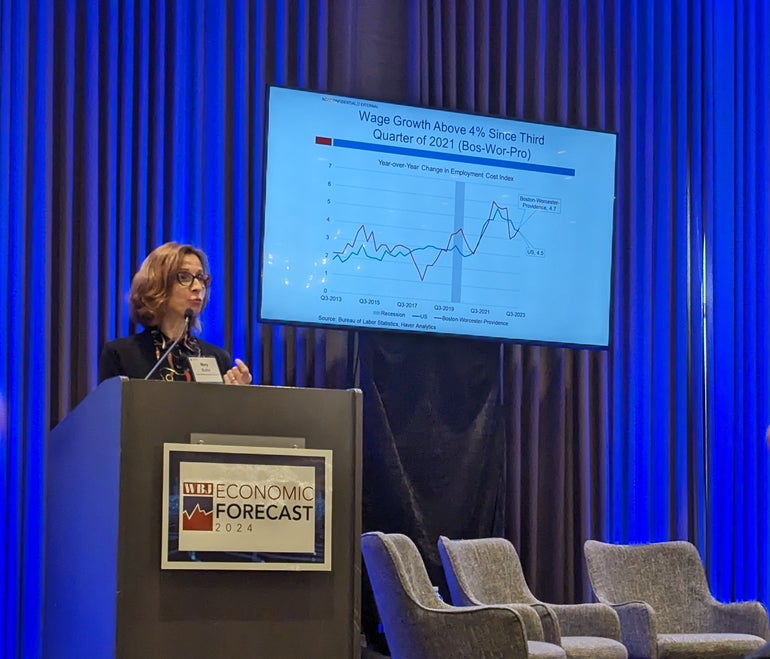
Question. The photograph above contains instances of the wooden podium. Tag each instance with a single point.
(105, 594)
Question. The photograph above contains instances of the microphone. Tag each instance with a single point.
(188, 314)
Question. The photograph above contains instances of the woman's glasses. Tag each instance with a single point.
(186, 278)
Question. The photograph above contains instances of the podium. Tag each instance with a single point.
(105, 594)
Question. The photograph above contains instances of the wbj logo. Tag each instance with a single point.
(197, 506)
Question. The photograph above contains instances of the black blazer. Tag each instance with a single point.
(134, 356)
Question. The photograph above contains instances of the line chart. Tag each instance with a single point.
(457, 242)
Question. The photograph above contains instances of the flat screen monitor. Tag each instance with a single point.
(380, 216)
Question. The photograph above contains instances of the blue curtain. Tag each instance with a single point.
(736, 226)
(26, 228)
(125, 124)
(689, 391)
(657, 452)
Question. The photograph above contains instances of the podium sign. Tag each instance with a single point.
(246, 508)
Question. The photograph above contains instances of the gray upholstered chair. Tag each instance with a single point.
(488, 571)
(665, 606)
(419, 625)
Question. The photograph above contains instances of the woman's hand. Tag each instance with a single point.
(238, 374)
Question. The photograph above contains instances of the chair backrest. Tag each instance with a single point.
(484, 571)
(669, 576)
(396, 552)
(401, 585)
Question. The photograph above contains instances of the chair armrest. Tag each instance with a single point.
(550, 622)
(637, 629)
(465, 631)
(533, 625)
(532, 619)
(587, 620)
(741, 618)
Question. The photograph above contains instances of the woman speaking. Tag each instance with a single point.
(167, 295)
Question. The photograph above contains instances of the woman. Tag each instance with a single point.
(172, 285)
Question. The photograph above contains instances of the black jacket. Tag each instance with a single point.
(134, 356)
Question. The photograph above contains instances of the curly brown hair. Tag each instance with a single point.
(152, 284)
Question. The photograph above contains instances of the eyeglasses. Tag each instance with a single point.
(186, 278)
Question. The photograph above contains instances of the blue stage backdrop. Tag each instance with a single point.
(127, 123)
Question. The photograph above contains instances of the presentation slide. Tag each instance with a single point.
(392, 217)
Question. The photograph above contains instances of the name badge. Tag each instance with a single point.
(205, 369)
